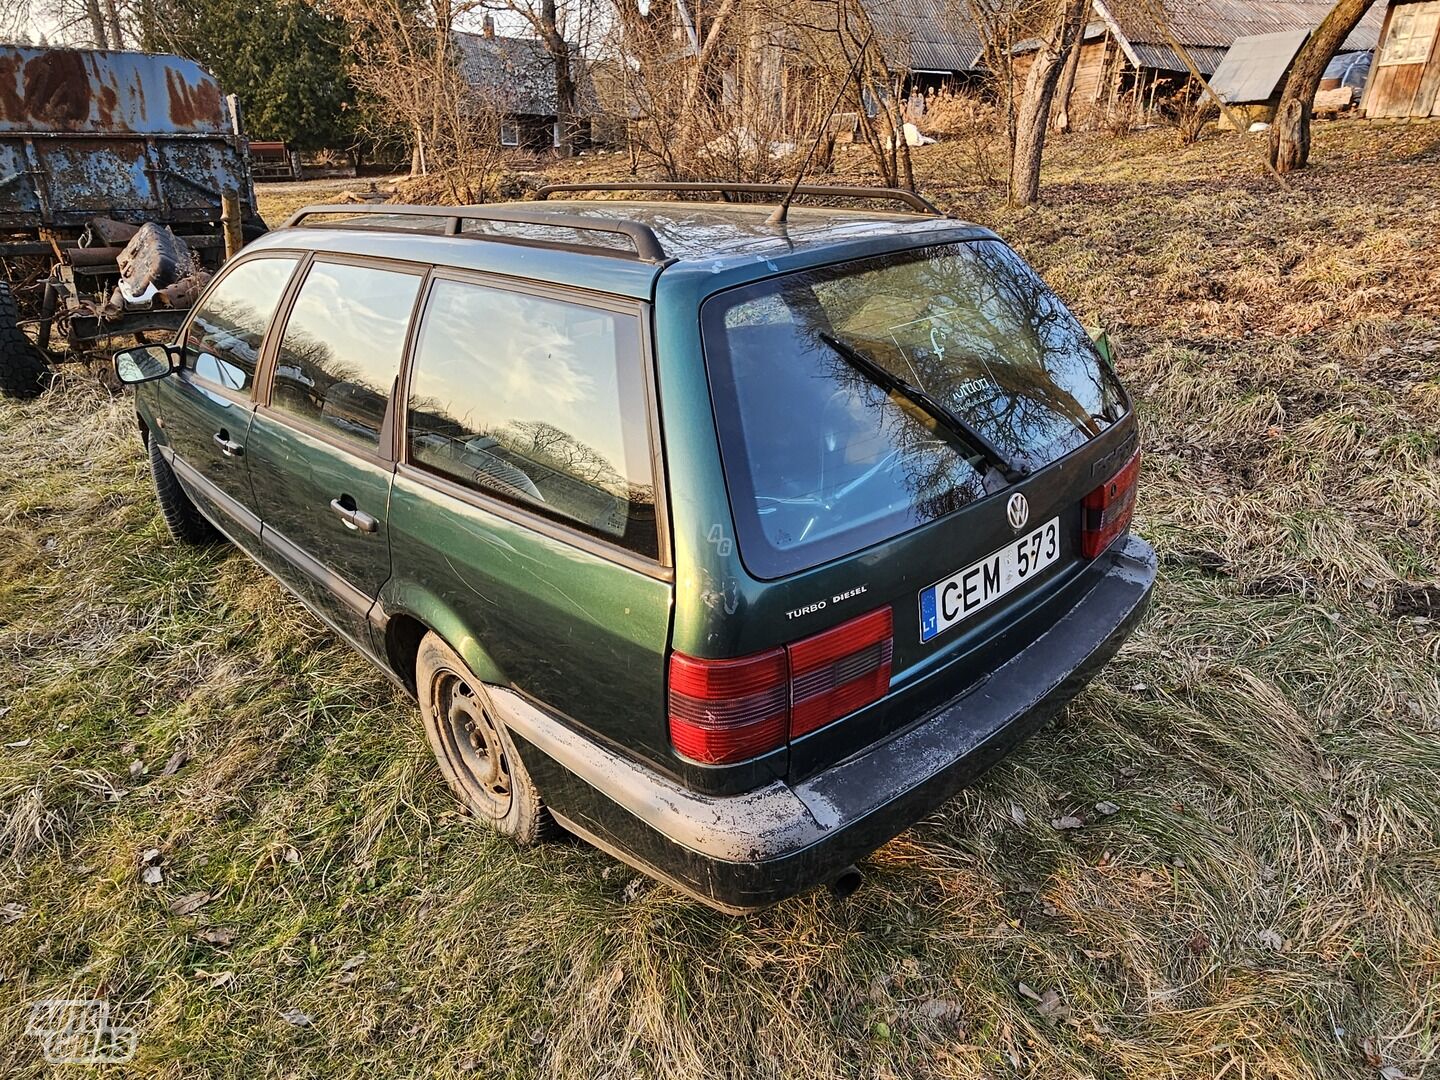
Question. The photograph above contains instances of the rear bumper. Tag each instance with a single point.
(743, 852)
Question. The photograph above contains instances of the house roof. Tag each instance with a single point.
(1207, 28)
(926, 35)
(518, 74)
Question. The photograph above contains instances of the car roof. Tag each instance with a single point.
(714, 236)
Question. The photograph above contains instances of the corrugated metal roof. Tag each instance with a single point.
(1254, 66)
(1163, 58)
(1207, 28)
(926, 35)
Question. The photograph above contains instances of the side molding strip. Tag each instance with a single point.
(208, 489)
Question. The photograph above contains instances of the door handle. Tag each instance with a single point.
(228, 448)
(355, 520)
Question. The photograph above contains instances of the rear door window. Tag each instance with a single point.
(537, 401)
(822, 462)
(341, 349)
(222, 341)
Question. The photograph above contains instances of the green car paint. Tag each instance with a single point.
(574, 632)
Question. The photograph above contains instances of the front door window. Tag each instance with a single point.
(222, 342)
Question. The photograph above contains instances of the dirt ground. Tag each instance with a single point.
(1254, 886)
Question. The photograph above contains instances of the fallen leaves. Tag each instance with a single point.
(350, 969)
(1271, 939)
(295, 1018)
(1050, 1005)
(219, 936)
(218, 979)
(190, 902)
(12, 912)
(1069, 821)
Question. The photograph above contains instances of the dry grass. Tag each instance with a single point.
(1263, 903)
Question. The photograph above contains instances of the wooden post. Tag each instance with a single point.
(230, 222)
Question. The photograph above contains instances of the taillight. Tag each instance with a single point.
(834, 673)
(1109, 508)
(729, 710)
(723, 711)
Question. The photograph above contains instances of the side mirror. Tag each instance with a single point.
(145, 363)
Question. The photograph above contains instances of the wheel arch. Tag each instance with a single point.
(417, 612)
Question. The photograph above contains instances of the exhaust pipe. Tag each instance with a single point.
(846, 883)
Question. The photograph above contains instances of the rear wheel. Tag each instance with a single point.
(22, 366)
(182, 518)
(475, 752)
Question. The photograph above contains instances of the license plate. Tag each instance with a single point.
(980, 584)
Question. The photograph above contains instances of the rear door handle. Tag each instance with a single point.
(228, 448)
(355, 520)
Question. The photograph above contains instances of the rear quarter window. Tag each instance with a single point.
(537, 401)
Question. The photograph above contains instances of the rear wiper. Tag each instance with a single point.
(957, 426)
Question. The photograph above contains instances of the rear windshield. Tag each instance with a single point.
(821, 461)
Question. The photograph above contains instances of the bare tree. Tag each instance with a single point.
(1290, 133)
(877, 96)
(405, 61)
(1058, 24)
(735, 92)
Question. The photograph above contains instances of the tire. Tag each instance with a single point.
(182, 518)
(22, 366)
(476, 754)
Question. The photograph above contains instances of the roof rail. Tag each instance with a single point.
(647, 244)
(915, 202)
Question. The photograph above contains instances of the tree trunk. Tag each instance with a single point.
(97, 24)
(112, 14)
(559, 50)
(1032, 116)
(704, 58)
(1290, 133)
(1060, 116)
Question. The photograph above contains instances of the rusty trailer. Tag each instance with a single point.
(93, 145)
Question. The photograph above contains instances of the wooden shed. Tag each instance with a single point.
(1128, 62)
(1405, 78)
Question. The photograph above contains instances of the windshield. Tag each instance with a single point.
(824, 459)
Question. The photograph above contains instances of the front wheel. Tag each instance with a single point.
(22, 366)
(182, 518)
(476, 754)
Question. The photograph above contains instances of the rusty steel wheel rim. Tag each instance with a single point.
(477, 751)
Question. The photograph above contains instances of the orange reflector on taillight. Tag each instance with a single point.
(723, 711)
(1109, 508)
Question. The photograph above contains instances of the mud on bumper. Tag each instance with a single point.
(743, 852)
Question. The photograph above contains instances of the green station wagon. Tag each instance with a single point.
(733, 547)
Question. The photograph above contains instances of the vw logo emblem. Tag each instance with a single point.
(1018, 511)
